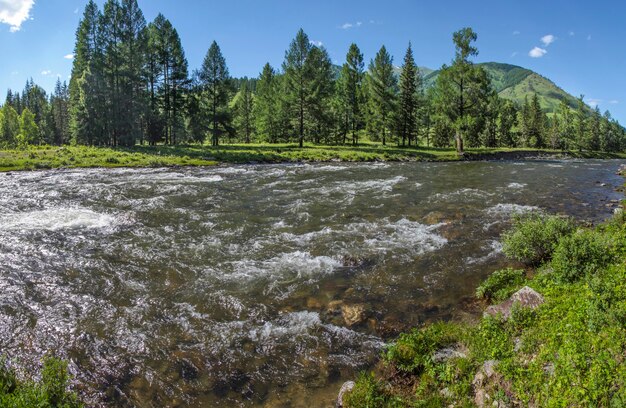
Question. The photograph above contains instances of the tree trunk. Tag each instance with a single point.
(459, 143)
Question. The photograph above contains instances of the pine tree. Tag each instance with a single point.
(537, 124)
(462, 89)
(566, 126)
(507, 120)
(554, 134)
(167, 81)
(132, 52)
(215, 81)
(382, 85)
(87, 103)
(267, 104)
(320, 86)
(489, 134)
(350, 90)
(244, 107)
(297, 82)
(407, 100)
(59, 107)
(581, 124)
(593, 138)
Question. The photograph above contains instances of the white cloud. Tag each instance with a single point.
(548, 39)
(69, 56)
(593, 102)
(537, 52)
(347, 26)
(316, 43)
(46, 72)
(15, 12)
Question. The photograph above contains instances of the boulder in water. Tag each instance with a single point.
(353, 314)
(345, 388)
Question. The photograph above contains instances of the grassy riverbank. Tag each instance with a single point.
(49, 157)
(568, 351)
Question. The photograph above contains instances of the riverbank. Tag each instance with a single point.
(51, 157)
(551, 334)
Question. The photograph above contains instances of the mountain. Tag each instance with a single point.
(517, 83)
(511, 82)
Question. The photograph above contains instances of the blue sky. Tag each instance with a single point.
(578, 44)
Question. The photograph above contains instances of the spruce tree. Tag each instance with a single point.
(350, 89)
(297, 81)
(244, 107)
(593, 138)
(407, 99)
(266, 105)
(382, 85)
(216, 88)
(320, 86)
(581, 123)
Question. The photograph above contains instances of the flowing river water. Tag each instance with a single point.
(255, 285)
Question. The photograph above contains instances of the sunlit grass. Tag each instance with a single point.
(49, 157)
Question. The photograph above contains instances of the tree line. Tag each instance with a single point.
(131, 84)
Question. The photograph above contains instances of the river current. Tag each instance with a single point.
(262, 285)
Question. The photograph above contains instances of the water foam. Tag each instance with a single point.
(517, 185)
(510, 209)
(56, 219)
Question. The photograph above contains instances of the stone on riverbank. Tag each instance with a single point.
(525, 297)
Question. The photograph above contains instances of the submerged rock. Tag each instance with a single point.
(525, 297)
(353, 314)
(345, 388)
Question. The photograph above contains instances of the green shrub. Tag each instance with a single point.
(534, 237)
(413, 351)
(50, 392)
(491, 340)
(580, 254)
(367, 393)
(501, 284)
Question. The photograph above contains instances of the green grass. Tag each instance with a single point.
(570, 352)
(49, 157)
(49, 392)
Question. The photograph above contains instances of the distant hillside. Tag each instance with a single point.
(517, 83)
(511, 82)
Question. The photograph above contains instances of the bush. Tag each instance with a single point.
(534, 237)
(501, 284)
(583, 253)
(412, 352)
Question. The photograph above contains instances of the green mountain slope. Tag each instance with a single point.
(511, 82)
(517, 83)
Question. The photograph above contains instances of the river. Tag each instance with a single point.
(228, 286)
